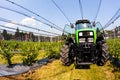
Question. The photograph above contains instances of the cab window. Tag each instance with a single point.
(82, 25)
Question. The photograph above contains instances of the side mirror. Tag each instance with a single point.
(63, 34)
(94, 24)
(71, 25)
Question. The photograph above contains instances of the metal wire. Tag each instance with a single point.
(36, 15)
(81, 9)
(10, 21)
(98, 10)
(29, 17)
(24, 30)
(8, 30)
(61, 10)
(113, 19)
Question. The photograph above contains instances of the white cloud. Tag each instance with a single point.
(30, 22)
(25, 21)
(10, 24)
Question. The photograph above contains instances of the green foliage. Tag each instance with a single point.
(53, 50)
(114, 47)
(7, 51)
(29, 54)
(28, 50)
(52, 53)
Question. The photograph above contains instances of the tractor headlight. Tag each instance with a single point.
(82, 40)
(80, 34)
(90, 40)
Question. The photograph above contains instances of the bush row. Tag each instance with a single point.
(114, 47)
(28, 50)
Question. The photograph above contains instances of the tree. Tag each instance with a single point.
(9, 36)
(17, 34)
(5, 35)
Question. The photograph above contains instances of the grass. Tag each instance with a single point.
(56, 71)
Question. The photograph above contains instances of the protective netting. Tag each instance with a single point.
(16, 69)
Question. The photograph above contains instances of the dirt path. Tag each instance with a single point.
(56, 71)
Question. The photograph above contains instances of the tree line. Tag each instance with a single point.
(23, 36)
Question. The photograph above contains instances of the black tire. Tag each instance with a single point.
(82, 66)
(65, 56)
(104, 55)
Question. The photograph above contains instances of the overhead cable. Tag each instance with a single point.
(23, 30)
(113, 19)
(81, 9)
(10, 21)
(8, 30)
(30, 17)
(98, 10)
(61, 10)
(34, 13)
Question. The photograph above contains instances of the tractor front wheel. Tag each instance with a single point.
(65, 55)
(104, 55)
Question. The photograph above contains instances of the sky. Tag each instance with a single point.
(48, 10)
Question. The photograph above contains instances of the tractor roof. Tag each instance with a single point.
(82, 21)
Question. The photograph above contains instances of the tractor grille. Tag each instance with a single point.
(86, 47)
(86, 53)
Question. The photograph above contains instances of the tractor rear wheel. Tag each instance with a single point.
(65, 55)
(104, 55)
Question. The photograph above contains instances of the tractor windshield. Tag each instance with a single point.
(83, 25)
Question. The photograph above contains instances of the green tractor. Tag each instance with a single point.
(84, 45)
